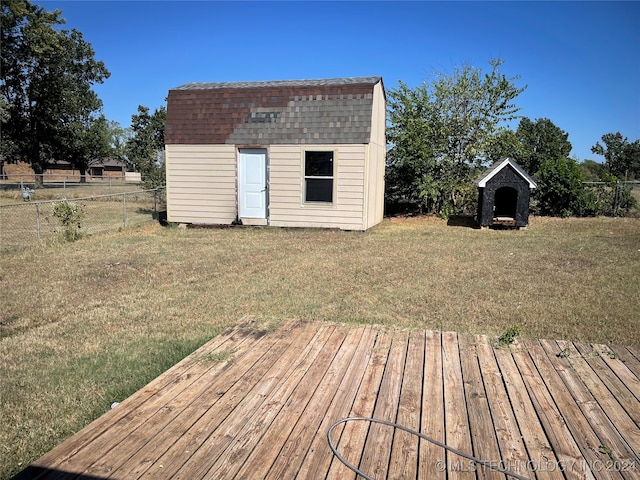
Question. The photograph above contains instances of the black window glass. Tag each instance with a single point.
(318, 164)
(319, 190)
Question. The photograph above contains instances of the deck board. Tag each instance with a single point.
(432, 457)
(256, 404)
(549, 441)
(315, 459)
(577, 384)
(404, 453)
(483, 432)
(628, 358)
(575, 415)
(457, 428)
(608, 399)
(508, 433)
(354, 434)
(299, 420)
(377, 448)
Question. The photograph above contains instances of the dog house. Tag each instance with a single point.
(504, 192)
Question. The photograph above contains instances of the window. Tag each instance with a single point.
(318, 176)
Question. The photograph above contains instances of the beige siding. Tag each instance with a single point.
(201, 183)
(379, 116)
(376, 160)
(286, 186)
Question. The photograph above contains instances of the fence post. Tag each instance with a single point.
(124, 210)
(38, 220)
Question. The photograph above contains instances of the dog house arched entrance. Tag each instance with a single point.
(506, 203)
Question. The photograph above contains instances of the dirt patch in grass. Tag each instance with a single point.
(86, 324)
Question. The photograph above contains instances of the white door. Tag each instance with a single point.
(252, 184)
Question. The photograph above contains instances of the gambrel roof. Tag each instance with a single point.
(326, 111)
(496, 167)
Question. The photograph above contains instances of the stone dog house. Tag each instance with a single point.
(504, 192)
(301, 153)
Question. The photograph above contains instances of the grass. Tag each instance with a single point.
(86, 324)
(635, 193)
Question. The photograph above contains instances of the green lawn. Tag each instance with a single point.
(86, 324)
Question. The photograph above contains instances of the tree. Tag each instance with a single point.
(412, 156)
(440, 133)
(592, 171)
(622, 158)
(118, 138)
(541, 141)
(47, 75)
(89, 144)
(145, 149)
(505, 143)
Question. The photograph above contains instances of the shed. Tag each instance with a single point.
(293, 153)
(504, 192)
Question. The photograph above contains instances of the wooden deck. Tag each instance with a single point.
(254, 405)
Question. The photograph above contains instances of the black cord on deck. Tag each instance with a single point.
(412, 432)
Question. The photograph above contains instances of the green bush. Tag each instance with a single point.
(508, 336)
(626, 201)
(560, 191)
(69, 214)
(607, 197)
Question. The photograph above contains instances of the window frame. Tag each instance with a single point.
(331, 177)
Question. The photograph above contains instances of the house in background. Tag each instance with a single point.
(59, 170)
(98, 169)
(299, 153)
(504, 192)
(107, 168)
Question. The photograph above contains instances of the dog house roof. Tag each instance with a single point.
(496, 167)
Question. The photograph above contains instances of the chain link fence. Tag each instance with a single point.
(33, 222)
(51, 186)
(613, 198)
(635, 193)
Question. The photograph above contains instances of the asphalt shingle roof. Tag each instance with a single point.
(279, 83)
(326, 111)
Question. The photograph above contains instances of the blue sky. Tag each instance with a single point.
(579, 60)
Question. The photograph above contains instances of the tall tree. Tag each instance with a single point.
(622, 158)
(145, 149)
(541, 141)
(505, 143)
(89, 144)
(412, 157)
(441, 132)
(47, 75)
(592, 171)
(118, 138)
